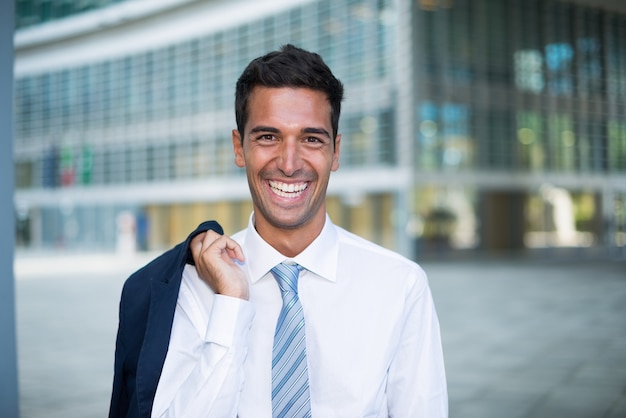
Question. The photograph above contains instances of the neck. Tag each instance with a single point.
(290, 242)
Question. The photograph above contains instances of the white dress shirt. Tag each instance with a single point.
(372, 336)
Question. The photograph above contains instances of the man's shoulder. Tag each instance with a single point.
(371, 261)
(374, 257)
(367, 248)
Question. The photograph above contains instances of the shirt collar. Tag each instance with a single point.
(320, 257)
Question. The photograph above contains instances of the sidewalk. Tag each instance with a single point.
(533, 339)
(522, 338)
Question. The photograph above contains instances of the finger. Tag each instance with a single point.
(227, 245)
(234, 250)
(196, 245)
(210, 237)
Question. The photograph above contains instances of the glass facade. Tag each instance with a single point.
(94, 124)
(533, 89)
(524, 86)
(508, 96)
(35, 12)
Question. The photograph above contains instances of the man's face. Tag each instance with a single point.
(288, 153)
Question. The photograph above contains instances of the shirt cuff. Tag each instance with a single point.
(229, 321)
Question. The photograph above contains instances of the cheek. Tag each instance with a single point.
(260, 159)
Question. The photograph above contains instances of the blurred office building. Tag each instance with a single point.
(468, 124)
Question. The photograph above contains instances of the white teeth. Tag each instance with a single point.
(287, 190)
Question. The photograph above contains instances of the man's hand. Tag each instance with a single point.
(214, 256)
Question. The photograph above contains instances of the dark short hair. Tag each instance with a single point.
(288, 67)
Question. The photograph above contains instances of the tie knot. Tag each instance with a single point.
(287, 277)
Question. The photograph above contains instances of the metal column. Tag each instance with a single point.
(8, 346)
(405, 123)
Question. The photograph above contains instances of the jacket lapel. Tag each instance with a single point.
(164, 294)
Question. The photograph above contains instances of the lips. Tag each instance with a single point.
(289, 190)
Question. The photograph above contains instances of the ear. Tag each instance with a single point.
(238, 148)
(335, 164)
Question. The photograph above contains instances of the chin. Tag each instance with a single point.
(288, 222)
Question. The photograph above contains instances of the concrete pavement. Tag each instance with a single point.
(533, 339)
(523, 338)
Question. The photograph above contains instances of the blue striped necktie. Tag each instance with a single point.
(290, 378)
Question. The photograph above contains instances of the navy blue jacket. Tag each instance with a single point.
(146, 314)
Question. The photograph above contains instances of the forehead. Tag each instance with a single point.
(287, 105)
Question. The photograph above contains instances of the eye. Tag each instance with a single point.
(313, 140)
(266, 137)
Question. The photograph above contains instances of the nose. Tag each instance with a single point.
(289, 161)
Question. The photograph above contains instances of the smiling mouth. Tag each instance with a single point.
(288, 189)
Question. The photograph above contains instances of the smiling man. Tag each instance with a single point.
(293, 316)
(288, 156)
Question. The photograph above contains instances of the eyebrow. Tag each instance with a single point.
(319, 131)
(263, 129)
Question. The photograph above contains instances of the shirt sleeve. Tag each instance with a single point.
(416, 382)
(214, 385)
